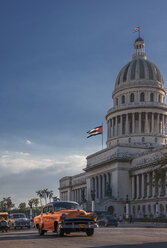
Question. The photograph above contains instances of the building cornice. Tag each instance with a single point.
(141, 105)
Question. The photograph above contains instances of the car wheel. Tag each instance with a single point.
(41, 231)
(60, 232)
(90, 232)
(101, 224)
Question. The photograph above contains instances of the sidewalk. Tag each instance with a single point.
(143, 224)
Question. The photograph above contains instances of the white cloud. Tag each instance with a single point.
(28, 142)
(19, 162)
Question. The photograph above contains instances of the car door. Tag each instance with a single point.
(44, 218)
(51, 218)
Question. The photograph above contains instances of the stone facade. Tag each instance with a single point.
(136, 140)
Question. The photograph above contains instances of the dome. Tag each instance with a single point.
(139, 71)
(139, 39)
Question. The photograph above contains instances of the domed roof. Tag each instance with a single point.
(139, 39)
(139, 71)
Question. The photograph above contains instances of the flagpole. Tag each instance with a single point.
(102, 135)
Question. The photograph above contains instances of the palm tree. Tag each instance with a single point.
(50, 194)
(40, 193)
(36, 202)
(46, 194)
(55, 198)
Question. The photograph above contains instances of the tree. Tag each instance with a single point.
(55, 198)
(35, 202)
(22, 205)
(46, 194)
(40, 193)
(50, 194)
(7, 204)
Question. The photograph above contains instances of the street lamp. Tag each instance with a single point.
(93, 199)
(157, 208)
(30, 204)
(127, 207)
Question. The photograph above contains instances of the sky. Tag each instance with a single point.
(58, 64)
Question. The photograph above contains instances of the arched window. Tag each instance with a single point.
(117, 101)
(142, 97)
(151, 97)
(159, 98)
(132, 97)
(123, 99)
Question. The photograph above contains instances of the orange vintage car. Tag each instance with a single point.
(64, 218)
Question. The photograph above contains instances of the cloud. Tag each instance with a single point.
(18, 162)
(28, 142)
(23, 174)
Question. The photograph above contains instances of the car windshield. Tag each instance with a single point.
(16, 216)
(65, 205)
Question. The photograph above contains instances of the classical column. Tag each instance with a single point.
(158, 123)
(120, 125)
(163, 125)
(133, 122)
(138, 185)
(152, 123)
(166, 185)
(148, 185)
(112, 128)
(95, 187)
(166, 124)
(142, 187)
(108, 128)
(99, 187)
(139, 122)
(127, 124)
(146, 126)
(103, 186)
(116, 126)
(153, 189)
(133, 187)
(101, 190)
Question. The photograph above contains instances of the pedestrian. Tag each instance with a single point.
(120, 218)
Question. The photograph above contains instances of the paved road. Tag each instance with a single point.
(103, 238)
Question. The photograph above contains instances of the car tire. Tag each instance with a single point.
(41, 231)
(60, 232)
(90, 232)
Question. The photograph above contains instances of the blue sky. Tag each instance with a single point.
(58, 65)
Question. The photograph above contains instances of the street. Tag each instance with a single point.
(103, 238)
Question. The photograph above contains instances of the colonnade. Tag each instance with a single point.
(64, 196)
(101, 185)
(138, 122)
(77, 194)
(144, 186)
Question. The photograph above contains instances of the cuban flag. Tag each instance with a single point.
(95, 131)
(136, 29)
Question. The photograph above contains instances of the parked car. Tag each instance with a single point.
(107, 220)
(20, 220)
(63, 218)
(4, 222)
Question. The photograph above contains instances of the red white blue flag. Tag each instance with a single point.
(95, 131)
(136, 29)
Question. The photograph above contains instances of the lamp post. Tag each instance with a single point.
(157, 208)
(30, 204)
(127, 207)
(93, 200)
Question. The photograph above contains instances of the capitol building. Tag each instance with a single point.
(124, 172)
